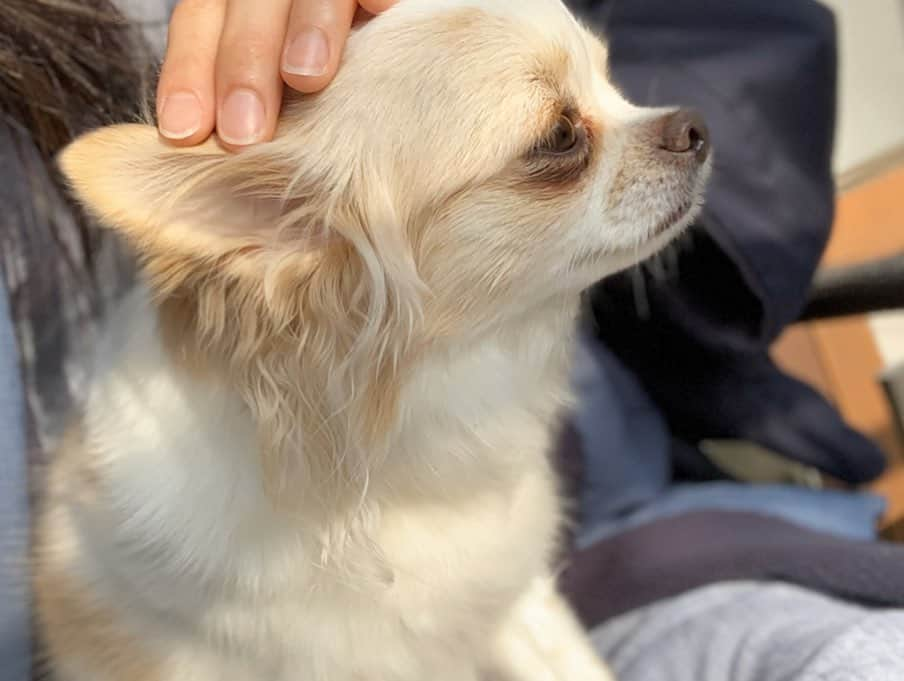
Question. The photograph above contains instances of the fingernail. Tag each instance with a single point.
(308, 54)
(180, 115)
(241, 120)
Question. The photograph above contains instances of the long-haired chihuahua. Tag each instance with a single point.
(316, 443)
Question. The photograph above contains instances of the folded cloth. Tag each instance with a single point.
(14, 602)
(668, 557)
(743, 631)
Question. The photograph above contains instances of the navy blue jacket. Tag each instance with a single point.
(696, 325)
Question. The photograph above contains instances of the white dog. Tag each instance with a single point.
(315, 448)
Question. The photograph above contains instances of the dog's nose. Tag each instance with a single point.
(684, 132)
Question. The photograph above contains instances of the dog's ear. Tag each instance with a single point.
(199, 201)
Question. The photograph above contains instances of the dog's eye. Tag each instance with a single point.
(562, 154)
(563, 138)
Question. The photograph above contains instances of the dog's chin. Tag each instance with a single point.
(675, 221)
(669, 229)
(592, 267)
(685, 212)
(674, 224)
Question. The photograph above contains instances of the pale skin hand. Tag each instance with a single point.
(227, 62)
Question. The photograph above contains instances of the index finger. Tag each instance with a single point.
(314, 41)
(186, 104)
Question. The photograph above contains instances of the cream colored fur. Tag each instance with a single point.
(316, 444)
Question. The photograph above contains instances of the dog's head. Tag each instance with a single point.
(471, 160)
(470, 151)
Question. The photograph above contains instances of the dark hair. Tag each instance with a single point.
(65, 66)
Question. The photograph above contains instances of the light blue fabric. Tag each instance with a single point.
(152, 16)
(847, 514)
(15, 647)
(624, 436)
(745, 631)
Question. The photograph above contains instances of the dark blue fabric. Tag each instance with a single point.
(625, 445)
(695, 330)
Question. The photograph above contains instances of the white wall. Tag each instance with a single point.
(871, 98)
(870, 134)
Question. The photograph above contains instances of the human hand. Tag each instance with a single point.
(228, 60)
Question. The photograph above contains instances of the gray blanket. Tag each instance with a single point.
(751, 631)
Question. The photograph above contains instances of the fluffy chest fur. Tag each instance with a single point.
(171, 527)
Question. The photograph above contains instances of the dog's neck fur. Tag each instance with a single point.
(280, 420)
